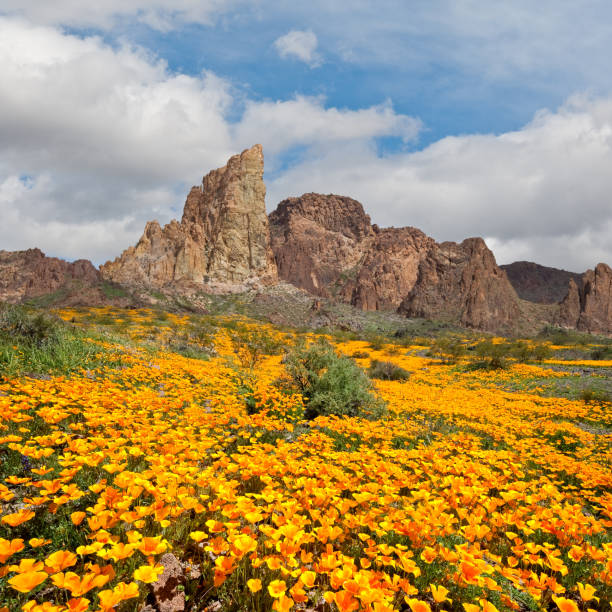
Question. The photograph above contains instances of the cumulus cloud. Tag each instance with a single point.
(299, 44)
(96, 137)
(539, 193)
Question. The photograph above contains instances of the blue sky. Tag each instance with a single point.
(460, 117)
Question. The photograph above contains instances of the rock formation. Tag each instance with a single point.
(462, 283)
(589, 307)
(223, 236)
(30, 274)
(540, 284)
(327, 245)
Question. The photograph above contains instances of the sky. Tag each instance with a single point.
(459, 117)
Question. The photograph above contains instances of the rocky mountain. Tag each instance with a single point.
(323, 244)
(327, 245)
(30, 274)
(539, 284)
(588, 305)
(463, 283)
(222, 240)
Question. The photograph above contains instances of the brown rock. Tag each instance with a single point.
(589, 308)
(165, 590)
(462, 282)
(326, 245)
(596, 300)
(29, 274)
(223, 236)
(569, 309)
(540, 284)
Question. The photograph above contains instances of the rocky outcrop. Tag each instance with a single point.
(30, 274)
(539, 284)
(327, 246)
(589, 307)
(462, 283)
(223, 236)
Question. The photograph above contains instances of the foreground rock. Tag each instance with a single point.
(327, 245)
(31, 274)
(589, 307)
(222, 239)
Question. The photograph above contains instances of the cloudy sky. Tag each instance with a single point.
(460, 117)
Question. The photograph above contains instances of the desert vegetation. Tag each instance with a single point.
(286, 470)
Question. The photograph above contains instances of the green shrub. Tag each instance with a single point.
(601, 353)
(521, 351)
(541, 352)
(493, 355)
(387, 370)
(594, 395)
(448, 348)
(35, 343)
(331, 384)
(251, 345)
(360, 355)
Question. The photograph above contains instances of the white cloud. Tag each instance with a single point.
(161, 15)
(299, 44)
(109, 138)
(305, 121)
(540, 193)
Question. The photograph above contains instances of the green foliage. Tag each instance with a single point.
(35, 343)
(251, 345)
(360, 355)
(524, 351)
(601, 352)
(590, 395)
(387, 370)
(111, 290)
(331, 384)
(493, 356)
(448, 348)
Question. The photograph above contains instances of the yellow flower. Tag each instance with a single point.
(198, 536)
(566, 605)
(27, 581)
(148, 573)
(277, 588)
(254, 585)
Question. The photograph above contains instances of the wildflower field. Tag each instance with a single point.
(472, 488)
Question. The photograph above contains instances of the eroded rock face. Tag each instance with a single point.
(589, 308)
(30, 273)
(327, 245)
(540, 284)
(223, 236)
(462, 282)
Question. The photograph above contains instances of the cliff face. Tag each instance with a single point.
(29, 274)
(222, 238)
(589, 307)
(462, 282)
(327, 245)
(540, 284)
